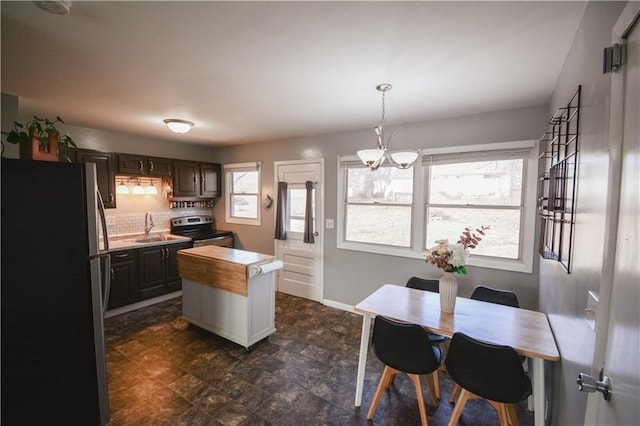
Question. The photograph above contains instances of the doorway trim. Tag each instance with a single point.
(320, 221)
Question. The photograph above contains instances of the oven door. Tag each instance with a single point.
(222, 241)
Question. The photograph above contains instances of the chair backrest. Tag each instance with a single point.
(405, 347)
(424, 284)
(490, 371)
(492, 295)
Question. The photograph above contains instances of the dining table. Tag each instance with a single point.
(527, 331)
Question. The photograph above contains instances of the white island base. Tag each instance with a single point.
(229, 292)
(244, 320)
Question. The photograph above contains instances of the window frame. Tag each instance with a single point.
(524, 263)
(237, 168)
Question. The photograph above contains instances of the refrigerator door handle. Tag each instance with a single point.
(103, 221)
(107, 281)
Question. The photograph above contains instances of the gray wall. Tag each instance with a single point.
(103, 140)
(563, 296)
(350, 276)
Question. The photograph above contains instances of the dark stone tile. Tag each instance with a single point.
(164, 371)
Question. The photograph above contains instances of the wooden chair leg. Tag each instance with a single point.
(436, 382)
(513, 416)
(392, 376)
(460, 403)
(503, 414)
(420, 397)
(433, 388)
(387, 373)
(454, 393)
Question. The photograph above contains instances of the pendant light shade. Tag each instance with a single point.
(374, 157)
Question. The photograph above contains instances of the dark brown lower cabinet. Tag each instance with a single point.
(124, 279)
(158, 270)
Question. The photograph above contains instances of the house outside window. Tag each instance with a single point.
(243, 193)
(403, 212)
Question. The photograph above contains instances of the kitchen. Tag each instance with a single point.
(348, 275)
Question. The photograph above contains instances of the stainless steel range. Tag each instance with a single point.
(202, 230)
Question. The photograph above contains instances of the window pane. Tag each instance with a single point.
(502, 240)
(297, 201)
(496, 182)
(244, 182)
(385, 185)
(390, 225)
(244, 206)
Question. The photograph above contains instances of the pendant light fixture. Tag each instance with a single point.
(374, 157)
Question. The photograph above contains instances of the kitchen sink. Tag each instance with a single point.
(149, 239)
(154, 239)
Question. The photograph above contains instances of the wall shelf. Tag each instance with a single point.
(557, 183)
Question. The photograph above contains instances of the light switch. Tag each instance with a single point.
(328, 224)
(591, 311)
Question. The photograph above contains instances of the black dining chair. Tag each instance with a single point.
(493, 295)
(492, 372)
(490, 295)
(405, 348)
(433, 286)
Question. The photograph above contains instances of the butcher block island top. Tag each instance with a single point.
(219, 267)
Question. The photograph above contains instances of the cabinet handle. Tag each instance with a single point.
(121, 256)
(141, 165)
(150, 166)
(111, 197)
(112, 274)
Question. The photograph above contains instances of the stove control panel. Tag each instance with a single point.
(191, 220)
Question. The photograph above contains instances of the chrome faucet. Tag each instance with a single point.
(148, 223)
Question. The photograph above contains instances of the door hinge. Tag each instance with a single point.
(614, 57)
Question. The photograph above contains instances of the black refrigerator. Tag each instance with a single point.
(52, 294)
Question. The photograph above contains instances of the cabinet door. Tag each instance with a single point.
(151, 271)
(210, 179)
(174, 282)
(159, 166)
(124, 279)
(105, 173)
(132, 164)
(186, 176)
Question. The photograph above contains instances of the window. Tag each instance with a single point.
(243, 193)
(297, 197)
(379, 200)
(402, 212)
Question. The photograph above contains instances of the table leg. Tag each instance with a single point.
(538, 392)
(362, 361)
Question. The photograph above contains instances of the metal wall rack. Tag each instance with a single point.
(557, 183)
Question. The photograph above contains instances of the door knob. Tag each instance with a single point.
(316, 234)
(586, 383)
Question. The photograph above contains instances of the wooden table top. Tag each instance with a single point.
(528, 332)
(224, 254)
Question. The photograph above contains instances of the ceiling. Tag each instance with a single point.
(260, 71)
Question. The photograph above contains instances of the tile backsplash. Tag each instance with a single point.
(133, 223)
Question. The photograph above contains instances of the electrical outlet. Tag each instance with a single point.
(329, 224)
(111, 221)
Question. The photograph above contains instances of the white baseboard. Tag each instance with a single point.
(339, 305)
(128, 308)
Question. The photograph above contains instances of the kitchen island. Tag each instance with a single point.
(229, 292)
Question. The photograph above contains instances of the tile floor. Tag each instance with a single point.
(164, 371)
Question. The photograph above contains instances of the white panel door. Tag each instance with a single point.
(620, 340)
(303, 263)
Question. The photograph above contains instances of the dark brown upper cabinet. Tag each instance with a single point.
(193, 179)
(104, 162)
(139, 165)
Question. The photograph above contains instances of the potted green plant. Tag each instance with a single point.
(39, 139)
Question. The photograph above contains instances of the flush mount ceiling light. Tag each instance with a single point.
(60, 7)
(374, 157)
(177, 125)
